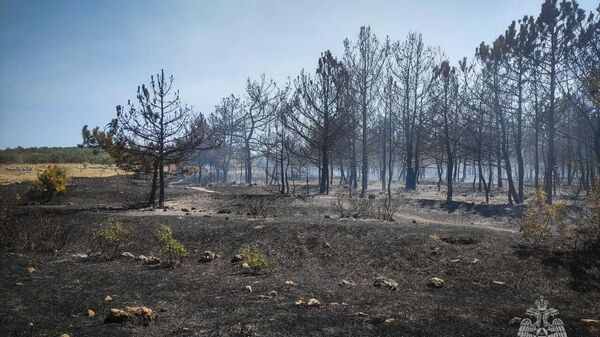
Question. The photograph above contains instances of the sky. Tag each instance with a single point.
(64, 64)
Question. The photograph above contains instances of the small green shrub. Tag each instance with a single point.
(109, 238)
(53, 180)
(256, 260)
(172, 250)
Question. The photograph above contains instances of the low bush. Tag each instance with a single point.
(171, 250)
(257, 261)
(108, 239)
(51, 181)
(541, 222)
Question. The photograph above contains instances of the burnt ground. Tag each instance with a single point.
(428, 239)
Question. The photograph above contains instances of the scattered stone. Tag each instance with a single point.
(499, 283)
(91, 313)
(475, 260)
(193, 208)
(361, 314)
(237, 258)
(142, 258)
(590, 321)
(248, 288)
(435, 251)
(152, 260)
(272, 293)
(108, 298)
(290, 283)
(30, 270)
(185, 210)
(65, 335)
(299, 302)
(313, 302)
(384, 282)
(372, 196)
(435, 282)
(333, 304)
(434, 237)
(224, 211)
(80, 255)
(259, 227)
(348, 283)
(388, 321)
(461, 240)
(127, 313)
(515, 321)
(19, 284)
(246, 266)
(414, 221)
(128, 254)
(264, 297)
(454, 260)
(327, 216)
(326, 244)
(207, 256)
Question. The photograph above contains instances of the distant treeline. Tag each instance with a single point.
(39, 155)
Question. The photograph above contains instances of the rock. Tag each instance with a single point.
(108, 298)
(148, 259)
(185, 210)
(290, 283)
(65, 335)
(454, 260)
(435, 251)
(272, 293)
(128, 313)
(245, 266)
(348, 283)
(91, 313)
(81, 255)
(30, 270)
(372, 196)
(327, 216)
(207, 256)
(299, 302)
(259, 226)
(361, 314)
(388, 321)
(434, 237)
(475, 260)
(193, 208)
(590, 321)
(515, 321)
(264, 297)
(248, 288)
(224, 211)
(414, 221)
(128, 254)
(435, 282)
(500, 283)
(19, 284)
(384, 282)
(326, 244)
(237, 258)
(313, 302)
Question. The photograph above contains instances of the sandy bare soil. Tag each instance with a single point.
(490, 276)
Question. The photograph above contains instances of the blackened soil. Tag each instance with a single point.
(314, 251)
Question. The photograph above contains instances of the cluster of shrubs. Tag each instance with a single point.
(41, 155)
(352, 206)
(543, 225)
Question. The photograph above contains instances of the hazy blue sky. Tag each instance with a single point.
(64, 64)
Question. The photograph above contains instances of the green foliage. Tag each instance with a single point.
(51, 181)
(60, 155)
(109, 238)
(172, 250)
(539, 220)
(256, 260)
